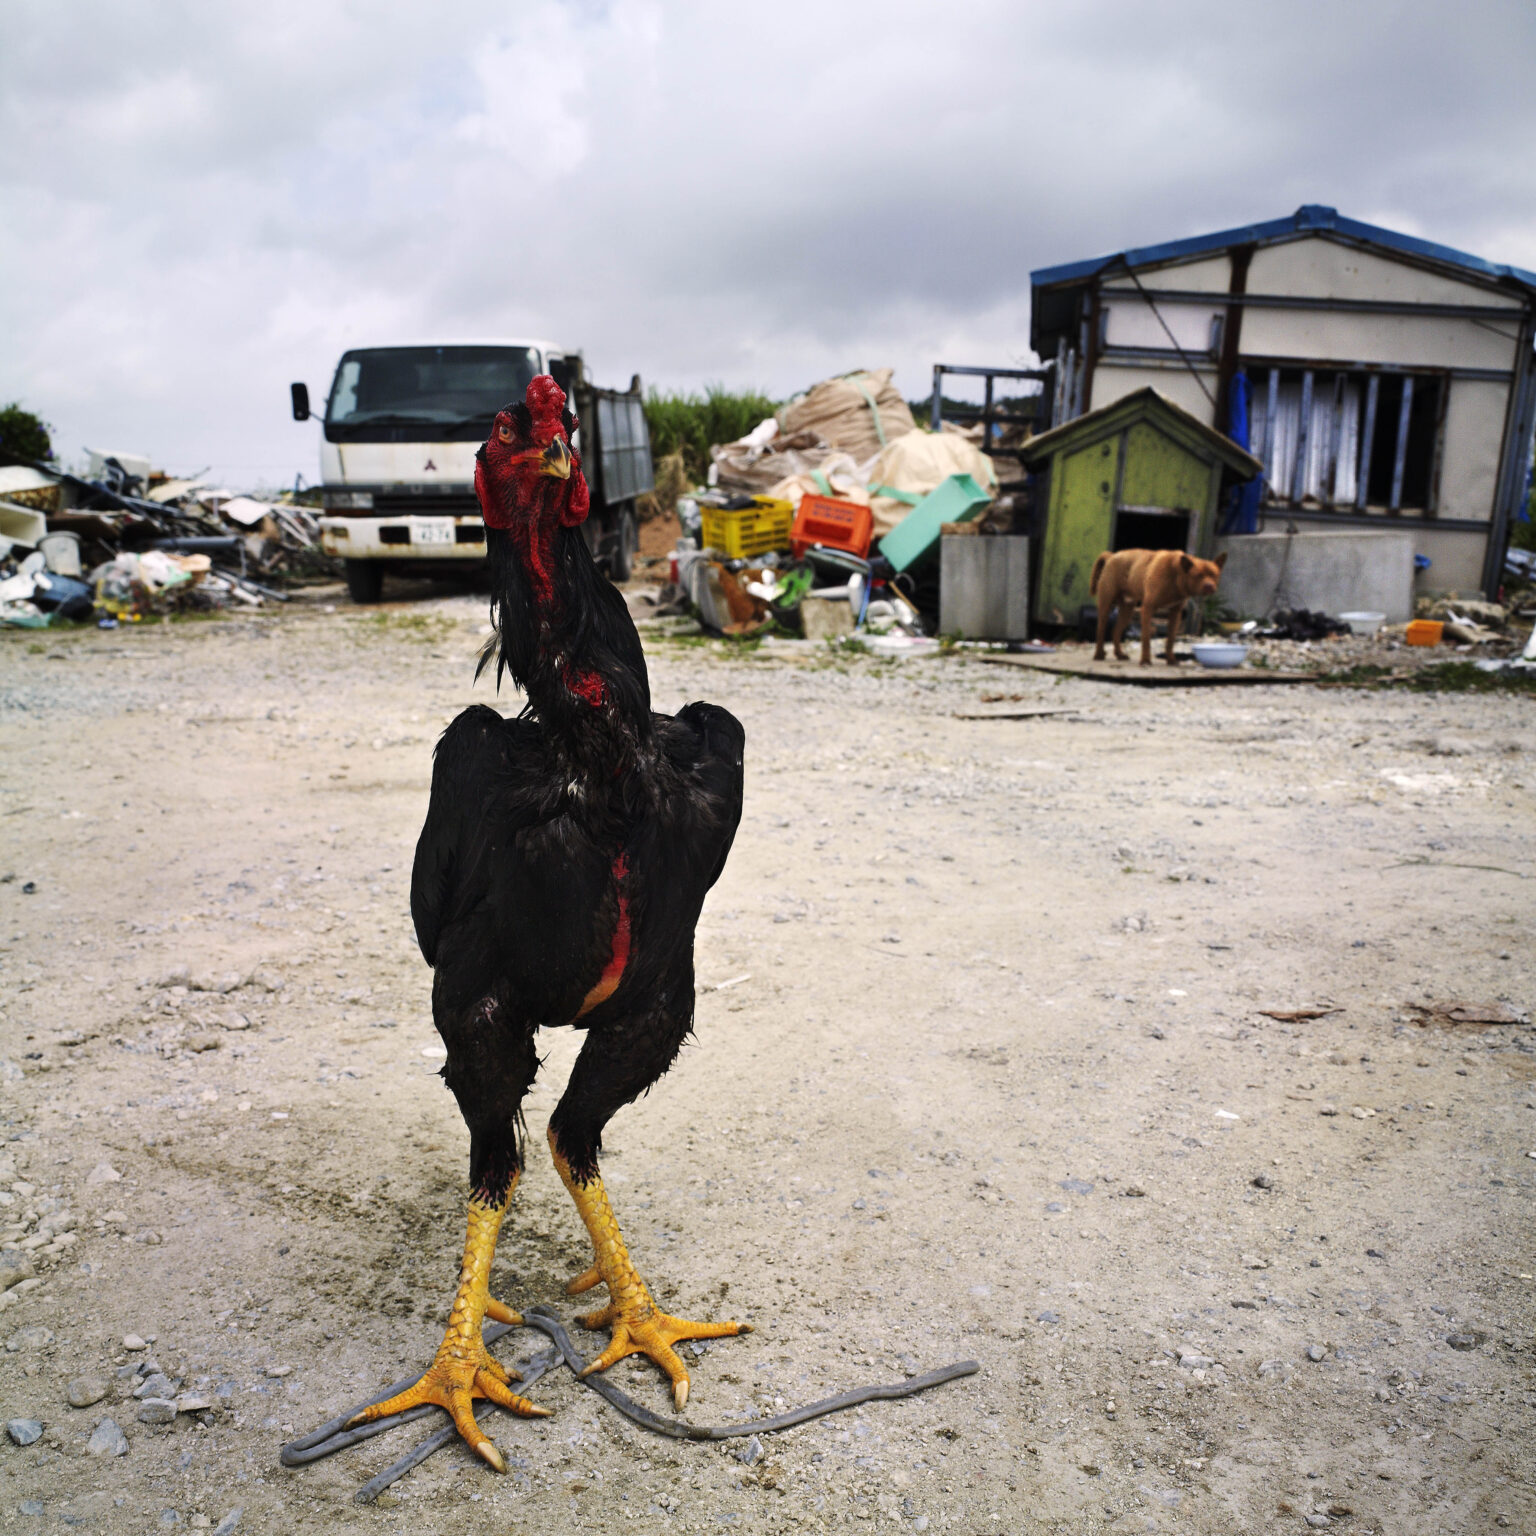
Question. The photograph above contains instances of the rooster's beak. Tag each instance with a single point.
(556, 460)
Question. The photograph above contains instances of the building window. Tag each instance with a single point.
(1347, 439)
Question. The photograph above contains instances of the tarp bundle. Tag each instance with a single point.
(917, 463)
(860, 412)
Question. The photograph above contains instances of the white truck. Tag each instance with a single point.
(397, 459)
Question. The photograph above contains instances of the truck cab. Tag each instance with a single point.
(401, 425)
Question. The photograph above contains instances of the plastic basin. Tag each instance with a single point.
(1364, 623)
(1214, 654)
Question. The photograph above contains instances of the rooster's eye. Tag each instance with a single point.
(504, 432)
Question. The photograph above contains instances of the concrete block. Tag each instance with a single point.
(1327, 570)
(984, 587)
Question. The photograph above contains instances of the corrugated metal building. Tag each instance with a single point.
(1391, 380)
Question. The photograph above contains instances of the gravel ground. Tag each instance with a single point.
(990, 1080)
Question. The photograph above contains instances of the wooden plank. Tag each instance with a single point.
(1132, 674)
(1368, 437)
(1400, 456)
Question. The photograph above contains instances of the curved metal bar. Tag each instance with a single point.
(677, 1429)
(331, 1437)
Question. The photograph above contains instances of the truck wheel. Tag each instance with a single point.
(365, 580)
(621, 563)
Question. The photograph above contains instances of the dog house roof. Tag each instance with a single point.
(1144, 404)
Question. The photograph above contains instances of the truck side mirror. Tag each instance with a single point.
(300, 395)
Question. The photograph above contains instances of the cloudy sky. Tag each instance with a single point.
(201, 202)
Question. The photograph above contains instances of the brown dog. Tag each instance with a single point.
(1153, 579)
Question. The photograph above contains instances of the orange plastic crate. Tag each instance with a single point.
(837, 524)
(1424, 632)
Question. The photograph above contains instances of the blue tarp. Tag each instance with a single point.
(1243, 504)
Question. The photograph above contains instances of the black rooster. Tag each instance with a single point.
(558, 880)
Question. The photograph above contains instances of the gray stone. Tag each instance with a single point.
(155, 1385)
(193, 1402)
(1270, 1369)
(1329, 570)
(1318, 1521)
(1263, 1181)
(1190, 1362)
(751, 1453)
(1316, 1352)
(984, 587)
(15, 1267)
(133, 1341)
(24, 1431)
(229, 1522)
(1463, 1341)
(107, 1439)
(82, 1391)
(157, 1410)
(35, 1337)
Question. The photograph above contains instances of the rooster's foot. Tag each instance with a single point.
(463, 1368)
(652, 1332)
(457, 1376)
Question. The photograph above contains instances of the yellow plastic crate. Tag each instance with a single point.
(750, 531)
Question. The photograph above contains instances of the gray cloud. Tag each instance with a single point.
(204, 202)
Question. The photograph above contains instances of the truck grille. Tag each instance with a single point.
(430, 504)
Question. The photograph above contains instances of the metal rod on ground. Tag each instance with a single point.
(331, 1437)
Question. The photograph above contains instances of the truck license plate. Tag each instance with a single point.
(438, 530)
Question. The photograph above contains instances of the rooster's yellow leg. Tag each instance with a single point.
(639, 1325)
(463, 1368)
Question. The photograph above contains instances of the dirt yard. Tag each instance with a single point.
(991, 1080)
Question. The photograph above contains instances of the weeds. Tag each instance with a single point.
(1441, 677)
(690, 423)
(418, 626)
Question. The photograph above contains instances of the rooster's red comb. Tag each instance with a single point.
(546, 401)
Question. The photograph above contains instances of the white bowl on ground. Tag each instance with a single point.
(1364, 623)
(1211, 653)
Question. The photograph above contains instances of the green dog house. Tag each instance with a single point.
(1141, 473)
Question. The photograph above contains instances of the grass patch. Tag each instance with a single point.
(1442, 677)
(415, 626)
(689, 423)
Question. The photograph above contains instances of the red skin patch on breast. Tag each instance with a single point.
(618, 954)
(588, 686)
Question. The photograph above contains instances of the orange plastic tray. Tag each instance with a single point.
(837, 524)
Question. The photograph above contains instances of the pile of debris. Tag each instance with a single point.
(825, 520)
(122, 542)
(852, 438)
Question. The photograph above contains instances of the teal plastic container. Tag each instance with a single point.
(916, 537)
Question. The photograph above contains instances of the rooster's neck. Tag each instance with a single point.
(568, 640)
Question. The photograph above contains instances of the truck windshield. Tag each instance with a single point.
(444, 390)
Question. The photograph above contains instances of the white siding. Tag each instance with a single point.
(1113, 381)
(1474, 437)
(1338, 336)
(1210, 274)
(1130, 322)
(1319, 268)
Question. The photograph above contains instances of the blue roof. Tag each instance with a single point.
(1314, 217)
